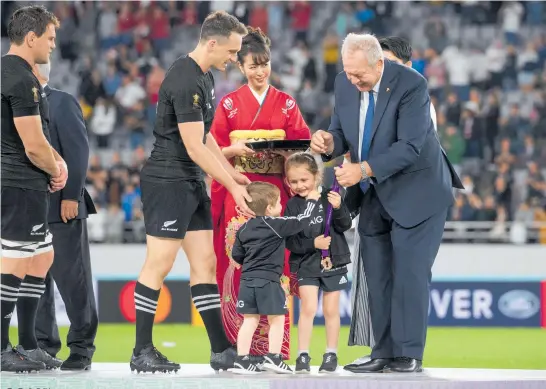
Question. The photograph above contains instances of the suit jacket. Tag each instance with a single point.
(412, 176)
(69, 138)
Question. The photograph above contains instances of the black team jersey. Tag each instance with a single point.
(22, 95)
(304, 257)
(260, 243)
(186, 95)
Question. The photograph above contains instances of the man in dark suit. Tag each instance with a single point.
(402, 182)
(68, 211)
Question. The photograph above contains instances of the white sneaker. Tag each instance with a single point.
(274, 362)
(244, 366)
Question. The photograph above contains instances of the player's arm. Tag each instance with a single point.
(213, 147)
(187, 100)
(24, 101)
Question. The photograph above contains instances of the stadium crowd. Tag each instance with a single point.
(485, 63)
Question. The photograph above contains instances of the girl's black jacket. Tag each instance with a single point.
(304, 257)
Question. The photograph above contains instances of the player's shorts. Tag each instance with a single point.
(326, 283)
(172, 209)
(23, 219)
(261, 297)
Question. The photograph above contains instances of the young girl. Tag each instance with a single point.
(303, 175)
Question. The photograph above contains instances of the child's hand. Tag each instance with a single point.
(313, 195)
(322, 242)
(334, 198)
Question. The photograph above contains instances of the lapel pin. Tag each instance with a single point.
(388, 89)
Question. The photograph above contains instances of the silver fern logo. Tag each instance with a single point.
(167, 224)
(36, 228)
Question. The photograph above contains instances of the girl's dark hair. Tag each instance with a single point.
(257, 44)
(306, 159)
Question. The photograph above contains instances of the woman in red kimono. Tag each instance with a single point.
(256, 111)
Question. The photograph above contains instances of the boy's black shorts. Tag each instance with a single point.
(326, 283)
(261, 297)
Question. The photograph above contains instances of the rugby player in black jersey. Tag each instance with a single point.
(30, 168)
(175, 201)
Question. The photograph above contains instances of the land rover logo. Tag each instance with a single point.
(519, 304)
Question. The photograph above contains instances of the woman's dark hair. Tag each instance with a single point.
(257, 44)
(303, 159)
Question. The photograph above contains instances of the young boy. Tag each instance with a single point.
(259, 247)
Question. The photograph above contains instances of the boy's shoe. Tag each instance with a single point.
(13, 361)
(274, 362)
(243, 365)
(150, 360)
(223, 360)
(40, 355)
(303, 364)
(329, 363)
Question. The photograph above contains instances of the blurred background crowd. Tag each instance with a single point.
(485, 63)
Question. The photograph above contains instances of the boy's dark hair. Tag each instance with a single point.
(33, 18)
(306, 159)
(257, 44)
(263, 194)
(220, 23)
(400, 47)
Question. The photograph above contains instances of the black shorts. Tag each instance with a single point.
(261, 297)
(326, 283)
(172, 209)
(24, 228)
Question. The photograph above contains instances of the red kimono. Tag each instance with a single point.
(239, 117)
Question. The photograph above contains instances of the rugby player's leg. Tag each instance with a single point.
(15, 259)
(160, 257)
(30, 292)
(205, 295)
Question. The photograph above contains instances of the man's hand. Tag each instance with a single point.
(322, 142)
(322, 242)
(59, 182)
(334, 198)
(241, 179)
(241, 196)
(69, 210)
(349, 175)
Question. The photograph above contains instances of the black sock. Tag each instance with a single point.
(9, 290)
(30, 291)
(207, 302)
(146, 305)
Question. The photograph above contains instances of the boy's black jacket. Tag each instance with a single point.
(304, 257)
(260, 243)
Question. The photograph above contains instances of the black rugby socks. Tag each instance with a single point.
(9, 290)
(30, 291)
(207, 302)
(146, 305)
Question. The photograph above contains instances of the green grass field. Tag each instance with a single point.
(497, 348)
